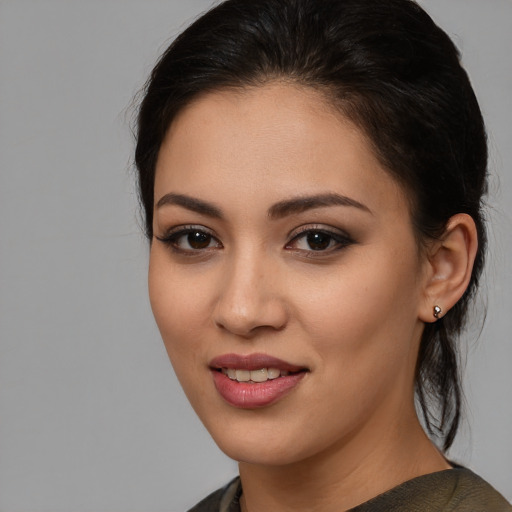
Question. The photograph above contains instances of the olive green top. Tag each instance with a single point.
(452, 490)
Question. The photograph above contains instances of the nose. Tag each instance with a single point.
(250, 298)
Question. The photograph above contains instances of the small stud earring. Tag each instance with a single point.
(437, 311)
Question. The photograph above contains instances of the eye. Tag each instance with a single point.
(318, 240)
(190, 239)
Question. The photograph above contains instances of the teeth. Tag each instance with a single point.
(273, 373)
(261, 375)
(243, 375)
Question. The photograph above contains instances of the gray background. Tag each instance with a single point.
(91, 416)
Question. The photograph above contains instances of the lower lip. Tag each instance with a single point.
(249, 395)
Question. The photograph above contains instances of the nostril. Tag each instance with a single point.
(249, 315)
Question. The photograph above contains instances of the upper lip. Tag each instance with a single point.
(252, 362)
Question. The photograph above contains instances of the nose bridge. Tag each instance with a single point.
(249, 297)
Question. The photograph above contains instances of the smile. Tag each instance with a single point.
(254, 381)
(261, 375)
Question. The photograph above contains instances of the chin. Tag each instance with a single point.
(260, 453)
(264, 444)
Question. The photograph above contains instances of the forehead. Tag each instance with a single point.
(281, 138)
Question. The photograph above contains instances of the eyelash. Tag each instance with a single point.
(340, 240)
(172, 237)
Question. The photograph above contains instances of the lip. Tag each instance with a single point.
(252, 362)
(249, 395)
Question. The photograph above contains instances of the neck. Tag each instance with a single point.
(346, 475)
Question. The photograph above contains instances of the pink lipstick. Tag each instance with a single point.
(254, 381)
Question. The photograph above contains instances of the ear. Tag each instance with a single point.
(449, 266)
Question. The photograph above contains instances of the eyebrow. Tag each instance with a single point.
(304, 203)
(277, 211)
(190, 203)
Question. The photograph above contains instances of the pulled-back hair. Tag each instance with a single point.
(389, 69)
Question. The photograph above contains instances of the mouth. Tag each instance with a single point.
(254, 376)
(254, 381)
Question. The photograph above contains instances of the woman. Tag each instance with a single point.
(312, 176)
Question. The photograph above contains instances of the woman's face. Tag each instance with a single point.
(284, 275)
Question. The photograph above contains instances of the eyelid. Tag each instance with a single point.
(173, 234)
(342, 238)
(185, 228)
(324, 228)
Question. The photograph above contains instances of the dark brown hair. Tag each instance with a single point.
(393, 72)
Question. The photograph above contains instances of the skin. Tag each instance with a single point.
(351, 313)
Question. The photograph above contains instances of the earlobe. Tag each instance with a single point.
(450, 264)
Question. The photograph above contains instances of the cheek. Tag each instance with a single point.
(178, 309)
(364, 330)
(365, 310)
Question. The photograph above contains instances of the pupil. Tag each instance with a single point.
(198, 240)
(318, 241)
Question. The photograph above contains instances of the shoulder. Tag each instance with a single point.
(224, 499)
(473, 493)
(453, 490)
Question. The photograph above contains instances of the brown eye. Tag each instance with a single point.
(318, 241)
(199, 240)
(190, 240)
